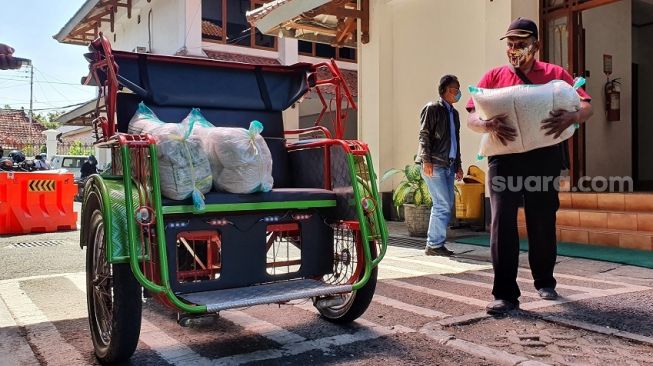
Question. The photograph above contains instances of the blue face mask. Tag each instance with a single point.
(458, 96)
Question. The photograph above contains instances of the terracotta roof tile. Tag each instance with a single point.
(14, 128)
(236, 57)
(350, 76)
(211, 29)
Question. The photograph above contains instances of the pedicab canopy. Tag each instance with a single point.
(173, 81)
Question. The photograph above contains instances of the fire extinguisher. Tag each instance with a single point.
(612, 90)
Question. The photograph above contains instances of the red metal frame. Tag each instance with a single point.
(338, 81)
(213, 257)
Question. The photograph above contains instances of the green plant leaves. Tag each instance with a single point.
(389, 174)
(403, 192)
(425, 194)
(412, 172)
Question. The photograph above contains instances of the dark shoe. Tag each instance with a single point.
(441, 251)
(548, 293)
(501, 307)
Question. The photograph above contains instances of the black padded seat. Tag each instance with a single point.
(275, 195)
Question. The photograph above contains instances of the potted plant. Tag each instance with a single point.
(413, 194)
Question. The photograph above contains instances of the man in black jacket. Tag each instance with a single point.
(439, 154)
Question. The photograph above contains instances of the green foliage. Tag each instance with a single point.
(77, 148)
(412, 189)
(48, 120)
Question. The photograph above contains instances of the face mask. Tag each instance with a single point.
(457, 97)
(517, 57)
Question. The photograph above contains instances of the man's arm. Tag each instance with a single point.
(560, 120)
(427, 125)
(496, 126)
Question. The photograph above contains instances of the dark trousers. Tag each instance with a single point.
(528, 176)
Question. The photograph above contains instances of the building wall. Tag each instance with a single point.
(643, 56)
(173, 24)
(608, 144)
(412, 44)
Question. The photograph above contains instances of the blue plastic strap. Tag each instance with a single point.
(255, 128)
(578, 82)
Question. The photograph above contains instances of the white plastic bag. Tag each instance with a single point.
(240, 159)
(143, 121)
(246, 160)
(525, 106)
(184, 169)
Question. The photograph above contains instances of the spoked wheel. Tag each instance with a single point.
(346, 264)
(113, 298)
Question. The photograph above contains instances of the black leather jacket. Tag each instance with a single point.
(434, 135)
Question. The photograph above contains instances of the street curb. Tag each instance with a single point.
(433, 331)
(598, 329)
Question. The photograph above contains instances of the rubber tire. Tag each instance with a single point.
(358, 302)
(127, 305)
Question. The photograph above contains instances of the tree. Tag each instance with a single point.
(48, 120)
(77, 148)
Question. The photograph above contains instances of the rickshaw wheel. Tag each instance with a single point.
(113, 299)
(356, 302)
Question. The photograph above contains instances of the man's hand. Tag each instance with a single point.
(559, 121)
(6, 59)
(428, 169)
(500, 128)
(459, 174)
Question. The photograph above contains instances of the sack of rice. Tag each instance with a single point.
(143, 121)
(246, 160)
(184, 169)
(525, 107)
(240, 159)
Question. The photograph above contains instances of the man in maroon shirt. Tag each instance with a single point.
(542, 165)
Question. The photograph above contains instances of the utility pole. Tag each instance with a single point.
(31, 98)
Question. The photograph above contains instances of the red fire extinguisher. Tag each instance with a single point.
(612, 90)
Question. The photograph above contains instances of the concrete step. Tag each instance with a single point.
(602, 237)
(623, 202)
(600, 219)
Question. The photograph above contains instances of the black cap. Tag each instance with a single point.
(522, 28)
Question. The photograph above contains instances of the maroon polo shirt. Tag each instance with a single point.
(541, 73)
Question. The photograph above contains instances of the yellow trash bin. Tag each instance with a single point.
(469, 195)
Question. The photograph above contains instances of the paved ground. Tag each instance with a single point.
(426, 311)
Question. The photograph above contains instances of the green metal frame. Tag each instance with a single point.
(232, 207)
(365, 229)
(115, 212)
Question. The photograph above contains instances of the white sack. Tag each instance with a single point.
(143, 121)
(525, 107)
(240, 159)
(184, 169)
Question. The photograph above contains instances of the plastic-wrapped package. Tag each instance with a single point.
(184, 169)
(240, 159)
(246, 160)
(143, 121)
(525, 106)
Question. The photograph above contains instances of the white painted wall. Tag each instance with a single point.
(412, 44)
(608, 144)
(643, 55)
(174, 24)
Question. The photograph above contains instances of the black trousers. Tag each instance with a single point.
(530, 177)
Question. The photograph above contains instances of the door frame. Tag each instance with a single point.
(572, 9)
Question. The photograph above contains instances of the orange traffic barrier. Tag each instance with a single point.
(36, 202)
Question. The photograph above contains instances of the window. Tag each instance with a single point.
(326, 51)
(234, 29)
